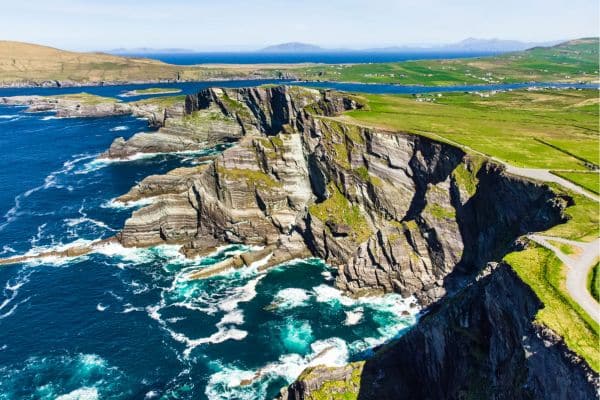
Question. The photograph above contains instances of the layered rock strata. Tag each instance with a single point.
(395, 212)
(85, 105)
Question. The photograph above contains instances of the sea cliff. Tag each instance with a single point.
(392, 211)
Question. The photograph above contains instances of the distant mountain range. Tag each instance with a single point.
(293, 47)
(470, 44)
(467, 45)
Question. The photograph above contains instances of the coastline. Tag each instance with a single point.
(70, 84)
(57, 84)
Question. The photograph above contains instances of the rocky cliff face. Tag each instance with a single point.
(222, 115)
(85, 105)
(480, 344)
(394, 212)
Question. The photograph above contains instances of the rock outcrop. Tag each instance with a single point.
(480, 344)
(220, 115)
(85, 105)
(396, 212)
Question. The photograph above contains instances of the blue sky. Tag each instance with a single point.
(236, 24)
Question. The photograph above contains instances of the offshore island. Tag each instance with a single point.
(480, 204)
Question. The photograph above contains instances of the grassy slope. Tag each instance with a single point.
(23, 62)
(545, 274)
(86, 98)
(571, 61)
(513, 126)
(156, 91)
(587, 180)
(594, 282)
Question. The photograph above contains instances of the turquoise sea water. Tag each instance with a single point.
(126, 323)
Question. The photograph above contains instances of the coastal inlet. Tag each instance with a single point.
(126, 323)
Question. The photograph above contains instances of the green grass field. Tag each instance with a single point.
(594, 282)
(156, 91)
(512, 126)
(163, 101)
(587, 180)
(86, 98)
(583, 218)
(572, 61)
(545, 274)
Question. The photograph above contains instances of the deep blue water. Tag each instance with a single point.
(126, 324)
(354, 57)
(193, 88)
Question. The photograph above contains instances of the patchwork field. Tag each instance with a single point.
(572, 61)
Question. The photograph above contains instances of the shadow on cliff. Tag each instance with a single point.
(472, 343)
(503, 208)
(480, 344)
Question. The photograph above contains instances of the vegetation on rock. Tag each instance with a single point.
(545, 274)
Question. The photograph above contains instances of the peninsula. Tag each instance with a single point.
(23, 64)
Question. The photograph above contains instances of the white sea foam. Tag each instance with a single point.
(141, 156)
(152, 394)
(7, 249)
(100, 307)
(134, 255)
(49, 117)
(235, 317)
(85, 393)
(55, 260)
(91, 166)
(72, 222)
(227, 383)
(51, 181)
(9, 312)
(119, 128)
(290, 298)
(129, 308)
(354, 317)
(92, 374)
(241, 295)
(129, 204)
(296, 336)
(223, 334)
(329, 294)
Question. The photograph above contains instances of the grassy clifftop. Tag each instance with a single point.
(550, 129)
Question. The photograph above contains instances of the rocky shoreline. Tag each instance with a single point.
(89, 106)
(65, 84)
(394, 212)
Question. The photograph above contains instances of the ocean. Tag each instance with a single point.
(125, 323)
(325, 57)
